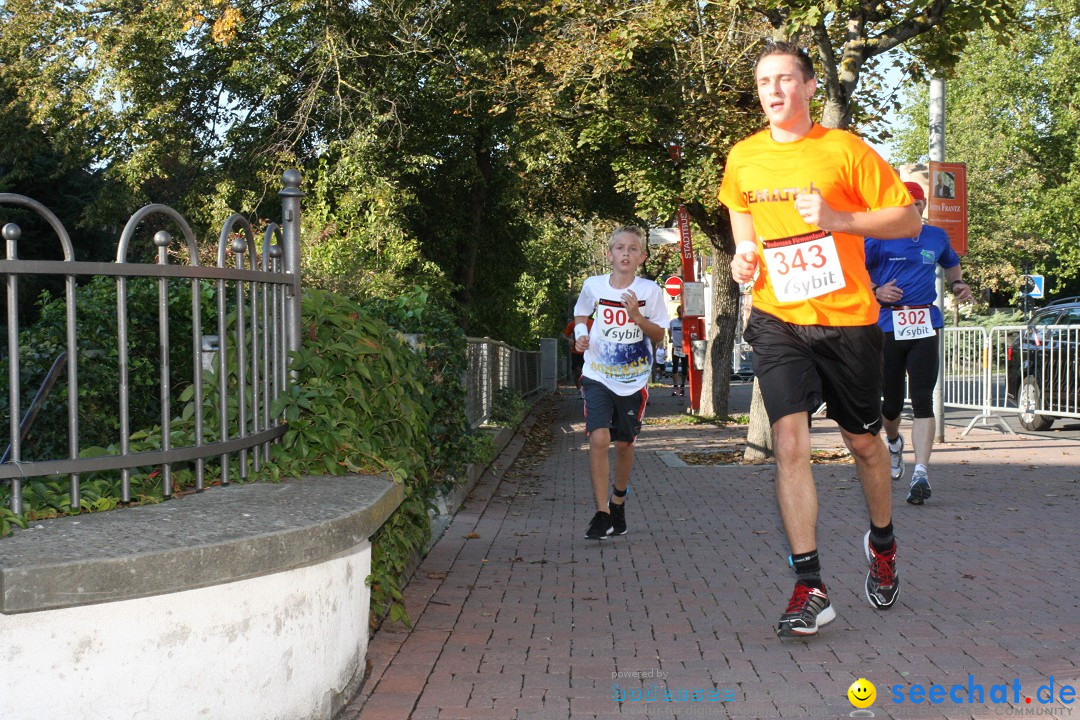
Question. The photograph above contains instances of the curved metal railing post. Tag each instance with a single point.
(271, 254)
(162, 240)
(241, 247)
(122, 328)
(290, 222)
(11, 233)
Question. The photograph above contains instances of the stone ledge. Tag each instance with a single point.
(218, 536)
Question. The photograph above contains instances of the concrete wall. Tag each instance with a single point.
(283, 646)
(248, 601)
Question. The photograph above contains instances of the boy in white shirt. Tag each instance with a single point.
(630, 321)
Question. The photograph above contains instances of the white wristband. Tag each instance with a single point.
(746, 246)
(580, 330)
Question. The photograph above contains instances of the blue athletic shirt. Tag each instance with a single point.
(912, 263)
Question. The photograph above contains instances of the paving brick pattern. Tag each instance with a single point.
(518, 617)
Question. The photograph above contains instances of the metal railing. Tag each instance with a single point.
(1013, 370)
(257, 322)
(39, 399)
(493, 365)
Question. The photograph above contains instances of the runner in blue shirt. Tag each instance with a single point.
(902, 273)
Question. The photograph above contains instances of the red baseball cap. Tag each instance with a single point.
(916, 190)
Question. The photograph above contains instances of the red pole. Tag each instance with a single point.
(693, 325)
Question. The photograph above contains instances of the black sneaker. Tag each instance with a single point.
(882, 584)
(808, 609)
(600, 527)
(618, 517)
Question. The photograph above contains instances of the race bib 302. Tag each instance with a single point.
(912, 323)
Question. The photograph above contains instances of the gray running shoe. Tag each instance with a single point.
(919, 490)
(896, 459)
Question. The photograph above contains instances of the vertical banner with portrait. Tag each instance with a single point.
(947, 204)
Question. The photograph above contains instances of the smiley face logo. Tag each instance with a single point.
(862, 693)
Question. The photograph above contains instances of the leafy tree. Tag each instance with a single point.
(200, 107)
(641, 99)
(34, 166)
(852, 38)
(1013, 116)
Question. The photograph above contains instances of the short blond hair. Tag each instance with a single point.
(627, 230)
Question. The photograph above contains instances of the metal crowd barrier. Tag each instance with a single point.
(493, 365)
(1013, 370)
(261, 297)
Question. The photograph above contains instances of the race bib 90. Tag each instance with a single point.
(803, 266)
(615, 323)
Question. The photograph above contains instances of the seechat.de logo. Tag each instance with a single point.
(974, 693)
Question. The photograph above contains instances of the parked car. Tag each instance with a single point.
(1042, 362)
(742, 361)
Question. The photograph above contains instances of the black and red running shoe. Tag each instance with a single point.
(808, 609)
(882, 583)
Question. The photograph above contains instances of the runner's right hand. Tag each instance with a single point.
(743, 267)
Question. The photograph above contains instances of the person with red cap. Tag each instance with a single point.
(903, 273)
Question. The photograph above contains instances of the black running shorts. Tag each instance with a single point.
(798, 367)
(621, 414)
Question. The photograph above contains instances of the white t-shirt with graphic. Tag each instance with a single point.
(676, 338)
(619, 354)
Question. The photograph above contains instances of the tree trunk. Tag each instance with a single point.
(759, 432)
(478, 208)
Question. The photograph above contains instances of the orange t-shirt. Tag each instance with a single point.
(568, 333)
(762, 178)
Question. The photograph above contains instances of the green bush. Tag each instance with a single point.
(448, 446)
(366, 401)
(360, 404)
(507, 407)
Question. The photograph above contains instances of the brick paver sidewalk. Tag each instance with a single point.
(517, 615)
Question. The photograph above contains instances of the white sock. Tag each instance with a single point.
(895, 446)
(920, 467)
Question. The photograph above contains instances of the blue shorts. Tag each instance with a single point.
(621, 414)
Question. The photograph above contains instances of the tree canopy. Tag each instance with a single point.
(456, 145)
(1013, 116)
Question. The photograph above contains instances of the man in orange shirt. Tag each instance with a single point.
(801, 198)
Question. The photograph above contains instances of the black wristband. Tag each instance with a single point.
(954, 282)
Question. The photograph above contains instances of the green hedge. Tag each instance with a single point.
(365, 402)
